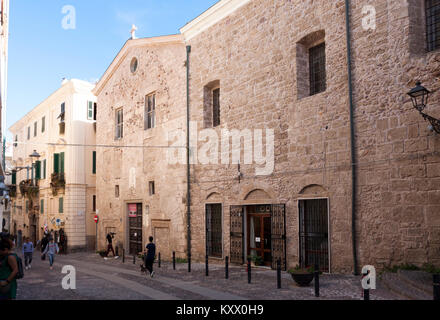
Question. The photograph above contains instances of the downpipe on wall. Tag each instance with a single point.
(188, 150)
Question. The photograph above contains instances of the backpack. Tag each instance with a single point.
(20, 273)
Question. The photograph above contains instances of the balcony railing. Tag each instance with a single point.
(28, 189)
(12, 190)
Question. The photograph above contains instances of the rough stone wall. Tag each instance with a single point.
(161, 69)
(253, 54)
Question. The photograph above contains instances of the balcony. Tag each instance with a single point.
(57, 182)
(29, 190)
(12, 190)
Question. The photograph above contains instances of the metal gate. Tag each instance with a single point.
(135, 229)
(237, 231)
(214, 247)
(278, 221)
(313, 230)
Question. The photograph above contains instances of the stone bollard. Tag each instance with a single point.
(123, 255)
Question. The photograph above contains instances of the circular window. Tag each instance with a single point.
(134, 65)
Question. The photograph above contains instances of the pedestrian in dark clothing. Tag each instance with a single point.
(149, 256)
(44, 243)
(110, 244)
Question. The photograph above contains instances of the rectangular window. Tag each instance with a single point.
(216, 107)
(61, 205)
(43, 124)
(35, 128)
(119, 124)
(44, 169)
(63, 111)
(90, 111)
(58, 162)
(150, 111)
(433, 24)
(214, 247)
(29, 133)
(95, 106)
(62, 162)
(94, 203)
(317, 69)
(42, 206)
(117, 191)
(151, 188)
(16, 140)
(94, 162)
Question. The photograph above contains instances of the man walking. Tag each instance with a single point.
(28, 250)
(149, 257)
(110, 244)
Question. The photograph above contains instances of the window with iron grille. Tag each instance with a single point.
(317, 69)
(150, 111)
(433, 24)
(119, 124)
(214, 244)
(94, 203)
(116, 191)
(216, 107)
(151, 188)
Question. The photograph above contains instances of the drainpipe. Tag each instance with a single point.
(188, 168)
(352, 140)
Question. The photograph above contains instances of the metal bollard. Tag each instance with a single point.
(249, 270)
(134, 259)
(279, 273)
(317, 281)
(158, 261)
(227, 268)
(206, 265)
(189, 262)
(436, 278)
(117, 251)
(123, 255)
(174, 260)
(366, 291)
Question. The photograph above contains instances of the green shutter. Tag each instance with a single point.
(62, 162)
(90, 110)
(42, 206)
(56, 163)
(94, 162)
(44, 169)
(38, 170)
(14, 177)
(60, 206)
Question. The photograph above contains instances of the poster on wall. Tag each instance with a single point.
(132, 210)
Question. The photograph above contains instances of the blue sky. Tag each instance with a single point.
(41, 52)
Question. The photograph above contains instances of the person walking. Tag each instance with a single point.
(110, 244)
(50, 250)
(28, 251)
(150, 255)
(44, 242)
(8, 271)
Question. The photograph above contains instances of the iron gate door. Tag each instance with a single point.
(135, 229)
(237, 231)
(278, 221)
(214, 244)
(313, 224)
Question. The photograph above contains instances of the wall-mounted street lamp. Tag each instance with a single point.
(419, 97)
(35, 155)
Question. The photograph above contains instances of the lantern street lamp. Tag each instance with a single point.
(36, 155)
(419, 97)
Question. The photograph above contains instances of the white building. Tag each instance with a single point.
(62, 130)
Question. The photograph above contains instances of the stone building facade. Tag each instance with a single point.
(57, 190)
(142, 101)
(277, 73)
(259, 53)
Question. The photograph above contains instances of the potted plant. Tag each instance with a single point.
(256, 260)
(302, 276)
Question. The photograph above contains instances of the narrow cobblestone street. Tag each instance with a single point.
(99, 279)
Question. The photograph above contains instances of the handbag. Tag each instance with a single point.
(5, 289)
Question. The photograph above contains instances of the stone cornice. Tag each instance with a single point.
(211, 16)
(164, 40)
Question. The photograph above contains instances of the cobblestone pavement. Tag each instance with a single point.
(99, 279)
